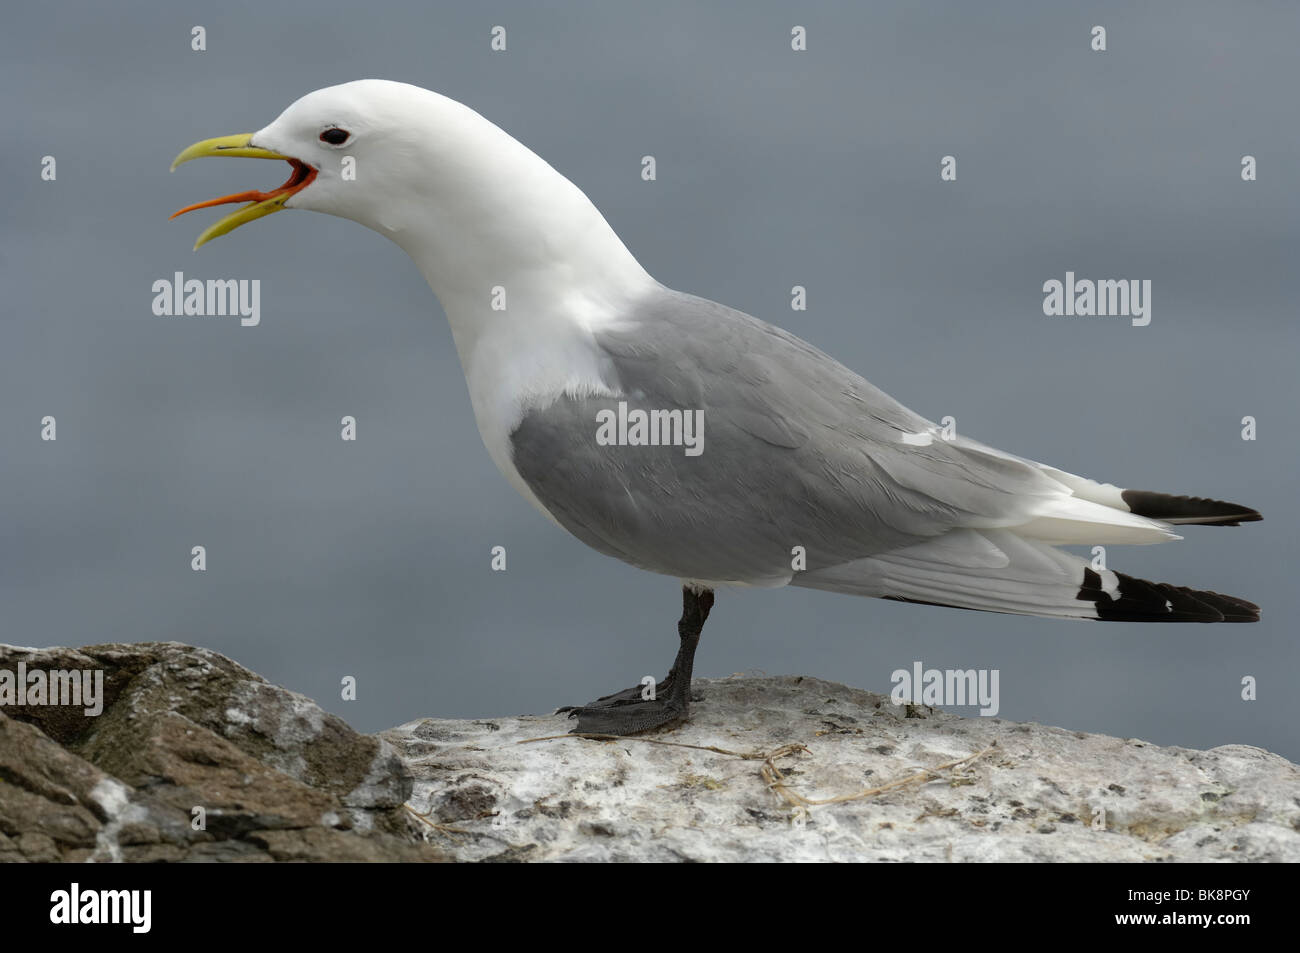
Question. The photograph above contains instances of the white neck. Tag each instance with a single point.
(478, 211)
(525, 266)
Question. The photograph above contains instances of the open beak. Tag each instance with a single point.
(261, 203)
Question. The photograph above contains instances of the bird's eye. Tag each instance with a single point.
(335, 137)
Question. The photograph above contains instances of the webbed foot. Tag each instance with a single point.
(629, 712)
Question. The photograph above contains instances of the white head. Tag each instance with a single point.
(471, 205)
(479, 213)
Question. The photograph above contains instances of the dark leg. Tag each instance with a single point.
(624, 713)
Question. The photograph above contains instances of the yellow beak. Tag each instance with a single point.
(261, 203)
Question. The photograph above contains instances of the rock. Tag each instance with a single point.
(1021, 792)
(281, 780)
(183, 728)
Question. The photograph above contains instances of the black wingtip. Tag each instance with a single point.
(1137, 600)
(1191, 510)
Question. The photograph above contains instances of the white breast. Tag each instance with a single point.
(524, 358)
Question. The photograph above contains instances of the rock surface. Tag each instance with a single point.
(279, 779)
(275, 777)
(1032, 793)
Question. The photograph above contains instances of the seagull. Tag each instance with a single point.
(682, 436)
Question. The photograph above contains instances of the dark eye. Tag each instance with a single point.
(335, 137)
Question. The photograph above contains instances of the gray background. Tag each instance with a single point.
(775, 169)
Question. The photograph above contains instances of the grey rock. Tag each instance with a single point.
(282, 780)
(1033, 793)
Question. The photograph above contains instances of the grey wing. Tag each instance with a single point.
(798, 451)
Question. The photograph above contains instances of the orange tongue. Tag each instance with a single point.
(293, 185)
(226, 200)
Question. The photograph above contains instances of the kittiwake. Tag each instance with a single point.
(682, 436)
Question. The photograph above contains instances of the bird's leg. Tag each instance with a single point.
(625, 712)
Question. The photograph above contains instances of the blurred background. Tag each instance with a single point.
(775, 168)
